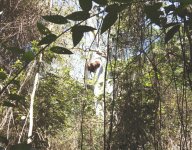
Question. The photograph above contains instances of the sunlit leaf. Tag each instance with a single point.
(60, 50)
(101, 2)
(48, 39)
(28, 56)
(57, 19)
(86, 5)
(42, 29)
(108, 21)
(169, 35)
(78, 16)
(77, 35)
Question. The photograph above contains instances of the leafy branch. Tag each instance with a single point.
(77, 30)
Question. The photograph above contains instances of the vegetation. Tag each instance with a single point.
(48, 96)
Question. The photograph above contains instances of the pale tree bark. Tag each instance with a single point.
(32, 97)
(28, 76)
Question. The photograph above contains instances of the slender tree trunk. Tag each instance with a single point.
(31, 108)
(35, 85)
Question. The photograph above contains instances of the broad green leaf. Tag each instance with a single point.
(21, 146)
(108, 21)
(16, 50)
(101, 2)
(42, 29)
(8, 104)
(28, 56)
(169, 35)
(57, 19)
(84, 28)
(48, 39)
(3, 75)
(78, 16)
(112, 8)
(78, 31)
(77, 35)
(86, 5)
(60, 50)
(116, 8)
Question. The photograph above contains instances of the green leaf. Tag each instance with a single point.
(101, 2)
(48, 39)
(3, 75)
(21, 146)
(60, 50)
(169, 35)
(84, 28)
(78, 31)
(28, 56)
(16, 50)
(8, 104)
(108, 21)
(57, 19)
(42, 29)
(78, 16)
(86, 5)
(77, 35)
(116, 8)
(112, 7)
